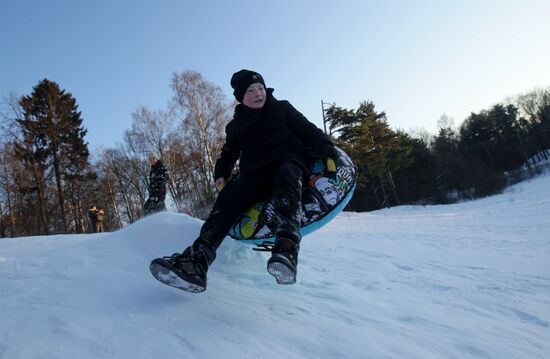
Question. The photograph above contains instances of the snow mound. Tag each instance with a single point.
(469, 280)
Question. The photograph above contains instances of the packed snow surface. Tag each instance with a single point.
(469, 280)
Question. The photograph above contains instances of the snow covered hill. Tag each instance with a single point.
(470, 280)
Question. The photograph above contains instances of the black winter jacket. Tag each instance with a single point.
(260, 137)
(157, 180)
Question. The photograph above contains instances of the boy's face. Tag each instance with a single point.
(254, 96)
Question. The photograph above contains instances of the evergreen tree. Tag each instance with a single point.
(53, 124)
(466, 165)
(416, 179)
(543, 117)
(377, 151)
(445, 151)
(477, 136)
(494, 135)
(32, 183)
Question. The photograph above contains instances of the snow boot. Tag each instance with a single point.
(284, 261)
(185, 271)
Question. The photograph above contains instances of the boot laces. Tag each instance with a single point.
(189, 262)
(266, 246)
(282, 245)
(176, 257)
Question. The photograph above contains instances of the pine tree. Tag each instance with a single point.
(445, 150)
(377, 150)
(53, 124)
(494, 135)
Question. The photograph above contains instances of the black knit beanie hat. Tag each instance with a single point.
(242, 79)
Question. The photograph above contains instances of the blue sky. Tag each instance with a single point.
(415, 59)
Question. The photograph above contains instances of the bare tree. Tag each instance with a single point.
(203, 112)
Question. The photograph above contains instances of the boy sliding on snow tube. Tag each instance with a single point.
(271, 139)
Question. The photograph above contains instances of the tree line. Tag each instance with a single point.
(49, 179)
(478, 158)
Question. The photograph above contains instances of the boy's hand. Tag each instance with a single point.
(220, 183)
(330, 155)
(331, 168)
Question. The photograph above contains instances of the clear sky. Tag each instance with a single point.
(415, 59)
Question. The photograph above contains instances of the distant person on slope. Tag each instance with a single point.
(92, 214)
(271, 139)
(158, 177)
(100, 217)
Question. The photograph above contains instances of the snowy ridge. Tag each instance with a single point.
(469, 280)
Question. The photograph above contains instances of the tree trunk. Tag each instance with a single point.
(2, 222)
(11, 209)
(523, 152)
(42, 217)
(113, 202)
(60, 195)
(127, 201)
(394, 188)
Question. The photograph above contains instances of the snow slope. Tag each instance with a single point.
(470, 280)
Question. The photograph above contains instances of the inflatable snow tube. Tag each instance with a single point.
(322, 199)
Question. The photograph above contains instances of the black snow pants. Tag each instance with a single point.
(282, 181)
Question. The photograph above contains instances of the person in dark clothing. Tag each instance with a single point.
(93, 213)
(158, 176)
(271, 139)
(99, 224)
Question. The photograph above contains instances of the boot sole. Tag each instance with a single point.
(165, 273)
(282, 272)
